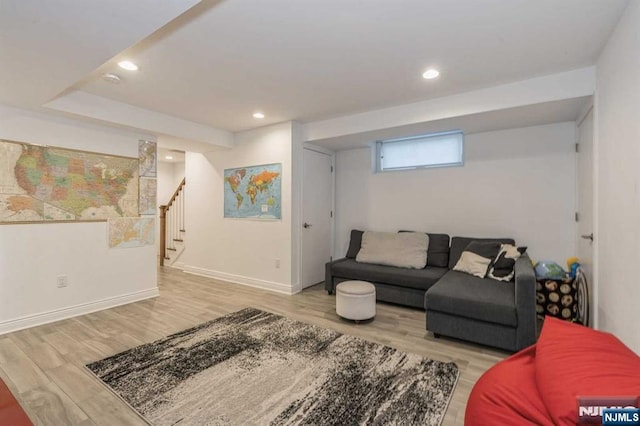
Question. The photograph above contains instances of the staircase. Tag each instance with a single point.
(172, 233)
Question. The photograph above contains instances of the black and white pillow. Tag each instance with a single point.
(477, 257)
(501, 268)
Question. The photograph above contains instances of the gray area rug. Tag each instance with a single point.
(257, 368)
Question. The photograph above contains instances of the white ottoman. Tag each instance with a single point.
(356, 300)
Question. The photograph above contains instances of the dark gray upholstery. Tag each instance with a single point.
(420, 279)
(411, 297)
(392, 284)
(464, 295)
(525, 282)
(484, 333)
(451, 313)
(481, 310)
(438, 252)
(458, 244)
(354, 244)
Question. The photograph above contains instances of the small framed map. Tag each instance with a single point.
(148, 195)
(148, 154)
(129, 232)
(253, 192)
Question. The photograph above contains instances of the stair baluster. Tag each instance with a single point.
(171, 223)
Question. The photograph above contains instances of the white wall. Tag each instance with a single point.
(33, 255)
(169, 177)
(617, 232)
(516, 183)
(178, 173)
(166, 172)
(240, 250)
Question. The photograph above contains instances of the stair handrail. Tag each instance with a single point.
(176, 193)
(163, 221)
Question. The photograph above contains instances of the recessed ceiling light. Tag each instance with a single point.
(168, 157)
(258, 115)
(430, 74)
(128, 65)
(111, 78)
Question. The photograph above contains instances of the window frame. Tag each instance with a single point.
(379, 144)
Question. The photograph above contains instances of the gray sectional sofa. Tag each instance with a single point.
(481, 310)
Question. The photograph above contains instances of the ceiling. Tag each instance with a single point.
(177, 156)
(213, 63)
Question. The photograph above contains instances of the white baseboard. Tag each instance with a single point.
(73, 311)
(239, 279)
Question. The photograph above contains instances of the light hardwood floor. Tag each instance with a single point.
(44, 366)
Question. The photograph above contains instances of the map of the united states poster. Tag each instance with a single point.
(40, 183)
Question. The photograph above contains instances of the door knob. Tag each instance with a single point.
(307, 225)
(587, 237)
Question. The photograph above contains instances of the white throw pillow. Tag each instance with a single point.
(477, 257)
(472, 264)
(403, 250)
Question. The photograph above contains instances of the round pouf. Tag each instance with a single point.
(356, 300)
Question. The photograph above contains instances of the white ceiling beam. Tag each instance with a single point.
(554, 87)
(106, 110)
(47, 46)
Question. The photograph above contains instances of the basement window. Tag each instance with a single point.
(443, 149)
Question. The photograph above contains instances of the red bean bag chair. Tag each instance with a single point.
(541, 384)
(10, 411)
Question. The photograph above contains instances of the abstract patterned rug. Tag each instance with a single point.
(257, 368)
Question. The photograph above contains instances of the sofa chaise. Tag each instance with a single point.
(459, 305)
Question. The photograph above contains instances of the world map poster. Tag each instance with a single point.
(253, 192)
(42, 183)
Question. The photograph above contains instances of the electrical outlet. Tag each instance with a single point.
(63, 281)
(277, 263)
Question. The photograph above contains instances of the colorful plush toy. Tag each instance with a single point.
(572, 266)
(571, 261)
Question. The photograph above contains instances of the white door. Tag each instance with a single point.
(317, 197)
(585, 201)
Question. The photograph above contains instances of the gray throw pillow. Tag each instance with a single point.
(402, 250)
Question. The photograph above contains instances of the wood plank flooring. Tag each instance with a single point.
(44, 366)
